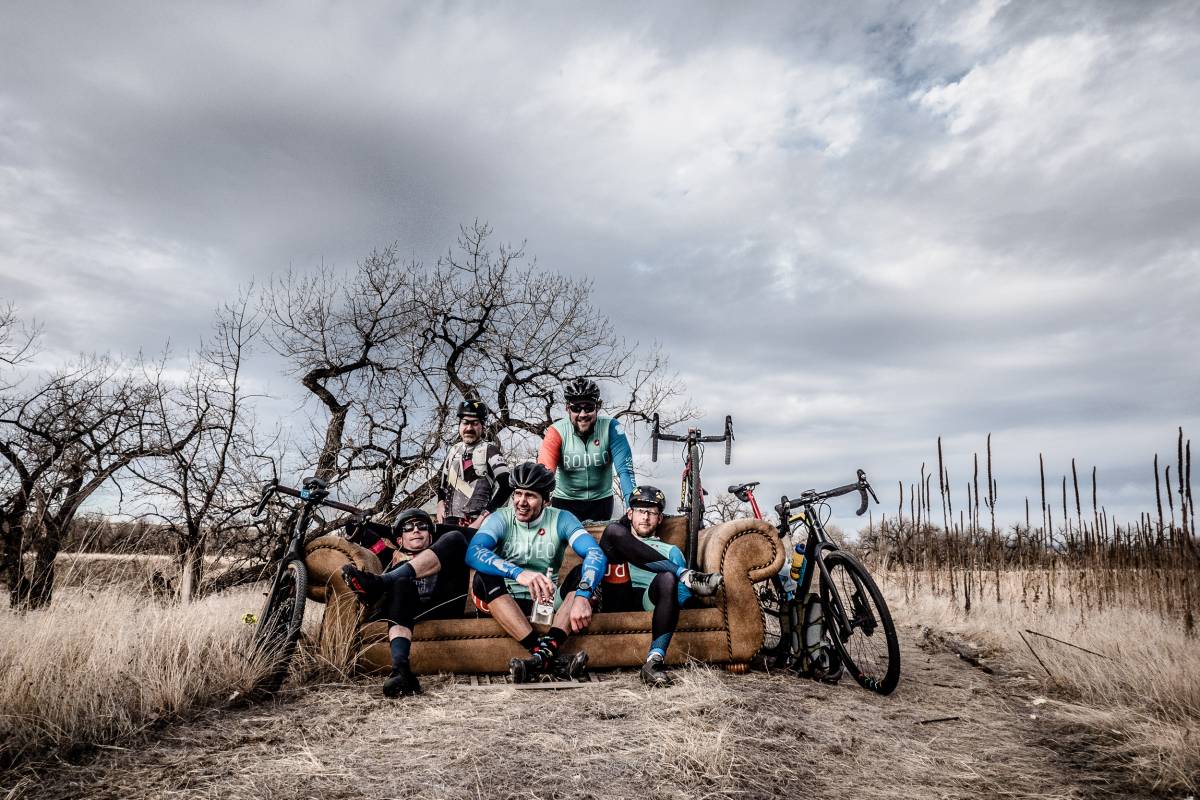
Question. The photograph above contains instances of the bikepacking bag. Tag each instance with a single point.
(818, 658)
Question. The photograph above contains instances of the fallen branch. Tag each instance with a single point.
(938, 719)
(1035, 655)
(1068, 644)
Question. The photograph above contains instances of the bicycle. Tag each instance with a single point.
(278, 628)
(851, 607)
(691, 494)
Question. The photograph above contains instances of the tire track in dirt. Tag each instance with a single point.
(713, 735)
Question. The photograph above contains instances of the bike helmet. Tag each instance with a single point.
(648, 496)
(532, 477)
(472, 408)
(581, 389)
(408, 515)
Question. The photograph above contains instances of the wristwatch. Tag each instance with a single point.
(584, 587)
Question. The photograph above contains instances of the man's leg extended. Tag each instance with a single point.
(619, 543)
(449, 551)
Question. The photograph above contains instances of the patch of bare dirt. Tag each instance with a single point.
(951, 730)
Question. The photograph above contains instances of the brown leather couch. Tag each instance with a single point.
(728, 631)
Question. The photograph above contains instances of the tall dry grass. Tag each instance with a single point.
(1136, 693)
(103, 664)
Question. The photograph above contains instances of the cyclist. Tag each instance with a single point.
(646, 573)
(424, 578)
(511, 554)
(474, 477)
(584, 449)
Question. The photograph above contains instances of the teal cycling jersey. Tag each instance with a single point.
(505, 546)
(584, 465)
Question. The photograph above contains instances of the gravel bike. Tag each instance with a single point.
(691, 493)
(848, 611)
(278, 628)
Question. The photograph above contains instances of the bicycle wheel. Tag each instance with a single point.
(779, 629)
(859, 623)
(695, 501)
(279, 625)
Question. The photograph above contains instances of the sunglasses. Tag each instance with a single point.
(582, 408)
(409, 527)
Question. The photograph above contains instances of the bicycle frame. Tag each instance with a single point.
(691, 500)
(818, 542)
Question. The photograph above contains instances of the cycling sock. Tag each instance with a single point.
(529, 642)
(401, 647)
(659, 646)
(559, 636)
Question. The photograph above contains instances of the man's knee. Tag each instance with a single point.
(664, 585)
(450, 547)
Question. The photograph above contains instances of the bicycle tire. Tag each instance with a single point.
(695, 509)
(278, 628)
(872, 660)
(779, 629)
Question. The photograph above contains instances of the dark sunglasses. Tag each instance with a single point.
(582, 408)
(417, 525)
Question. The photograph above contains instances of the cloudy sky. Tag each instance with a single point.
(852, 230)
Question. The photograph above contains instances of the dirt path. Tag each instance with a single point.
(713, 735)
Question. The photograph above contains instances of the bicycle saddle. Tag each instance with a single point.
(741, 492)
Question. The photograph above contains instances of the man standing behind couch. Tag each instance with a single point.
(474, 477)
(584, 449)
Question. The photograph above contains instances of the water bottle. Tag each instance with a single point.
(798, 561)
(543, 610)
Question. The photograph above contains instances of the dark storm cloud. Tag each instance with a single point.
(854, 230)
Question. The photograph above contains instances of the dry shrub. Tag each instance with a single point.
(102, 664)
(1140, 695)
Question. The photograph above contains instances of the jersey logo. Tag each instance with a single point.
(616, 573)
(596, 442)
(541, 532)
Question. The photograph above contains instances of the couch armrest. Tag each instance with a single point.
(324, 557)
(744, 547)
(745, 551)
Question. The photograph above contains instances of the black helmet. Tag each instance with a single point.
(472, 408)
(410, 514)
(533, 477)
(581, 389)
(648, 496)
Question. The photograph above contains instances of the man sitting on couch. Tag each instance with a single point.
(646, 573)
(422, 579)
(511, 554)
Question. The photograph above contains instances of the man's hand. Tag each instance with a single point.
(581, 614)
(475, 523)
(440, 517)
(538, 585)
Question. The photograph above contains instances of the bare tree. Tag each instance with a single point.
(202, 490)
(724, 509)
(62, 441)
(388, 351)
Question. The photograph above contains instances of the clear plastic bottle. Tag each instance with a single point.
(543, 610)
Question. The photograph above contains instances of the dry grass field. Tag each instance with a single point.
(112, 695)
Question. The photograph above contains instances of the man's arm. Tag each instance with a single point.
(499, 469)
(551, 449)
(622, 458)
(481, 552)
(594, 562)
